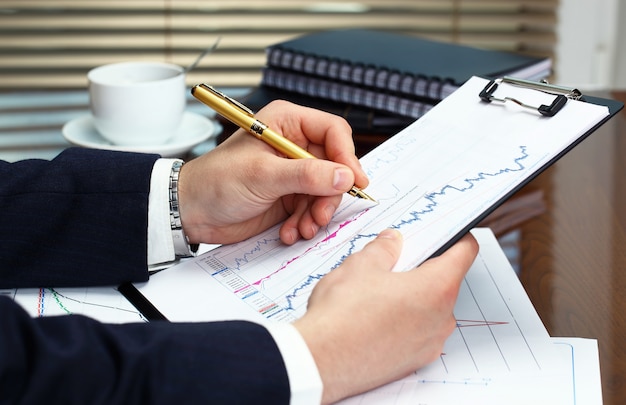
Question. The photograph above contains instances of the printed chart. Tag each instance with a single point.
(431, 180)
(102, 303)
(499, 349)
(493, 312)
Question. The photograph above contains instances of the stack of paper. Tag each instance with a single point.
(499, 353)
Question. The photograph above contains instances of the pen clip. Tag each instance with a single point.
(230, 100)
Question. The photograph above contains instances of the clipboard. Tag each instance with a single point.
(561, 95)
(435, 181)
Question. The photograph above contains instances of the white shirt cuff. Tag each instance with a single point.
(160, 243)
(304, 379)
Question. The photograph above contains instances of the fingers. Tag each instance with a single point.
(325, 135)
(308, 215)
(455, 263)
(338, 146)
(310, 176)
(299, 225)
(459, 257)
(305, 125)
(326, 181)
(307, 178)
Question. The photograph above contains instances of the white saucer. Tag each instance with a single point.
(194, 129)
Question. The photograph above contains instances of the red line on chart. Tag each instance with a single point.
(314, 247)
(40, 302)
(465, 323)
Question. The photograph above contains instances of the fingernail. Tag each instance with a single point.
(342, 178)
(294, 235)
(314, 229)
(329, 211)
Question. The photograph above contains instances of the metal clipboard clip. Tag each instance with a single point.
(562, 94)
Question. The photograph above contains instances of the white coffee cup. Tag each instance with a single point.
(137, 103)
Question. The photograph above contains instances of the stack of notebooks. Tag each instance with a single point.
(379, 79)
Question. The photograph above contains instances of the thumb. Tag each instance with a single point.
(310, 176)
(380, 254)
(457, 261)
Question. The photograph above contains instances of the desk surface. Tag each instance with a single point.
(572, 257)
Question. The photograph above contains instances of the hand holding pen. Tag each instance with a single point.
(244, 118)
(244, 186)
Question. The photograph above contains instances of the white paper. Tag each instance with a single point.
(105, 304)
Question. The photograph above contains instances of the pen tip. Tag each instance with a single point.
(371, 199)
(356, 192)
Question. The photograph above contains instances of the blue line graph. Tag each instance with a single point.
(414, 216)
(310, 280)
(259, 247)
(390, 156)
(469, 182)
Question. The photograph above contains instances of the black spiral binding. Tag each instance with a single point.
(360, 74)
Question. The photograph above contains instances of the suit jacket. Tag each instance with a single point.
(81, 220)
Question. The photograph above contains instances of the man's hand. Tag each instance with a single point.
(244, 186)
(367, 326)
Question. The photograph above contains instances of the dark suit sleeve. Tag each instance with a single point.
(79, 219)
(75, 360)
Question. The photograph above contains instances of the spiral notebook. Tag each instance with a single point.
(341, 92)
(402, 65)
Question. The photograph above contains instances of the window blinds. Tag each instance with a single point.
(52, 44)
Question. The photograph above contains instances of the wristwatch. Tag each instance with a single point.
(182, 247)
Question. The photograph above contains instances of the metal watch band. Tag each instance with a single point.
(182, 248)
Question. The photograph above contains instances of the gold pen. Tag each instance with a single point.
(243, 117)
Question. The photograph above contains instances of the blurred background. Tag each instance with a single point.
(47, 47)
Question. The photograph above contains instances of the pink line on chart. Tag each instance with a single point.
(40, 302)
(326, 239)
(465, 323)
